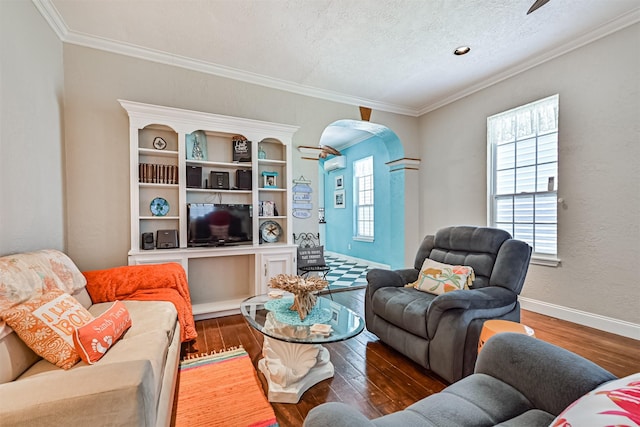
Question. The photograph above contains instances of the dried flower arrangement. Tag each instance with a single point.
(302, 289)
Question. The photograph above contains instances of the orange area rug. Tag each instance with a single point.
(221, 390)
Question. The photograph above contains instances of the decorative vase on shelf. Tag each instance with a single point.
(261, 153)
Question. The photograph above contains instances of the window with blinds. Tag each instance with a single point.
(364, 211)
(523, 173)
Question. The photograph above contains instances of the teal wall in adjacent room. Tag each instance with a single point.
(388, 245)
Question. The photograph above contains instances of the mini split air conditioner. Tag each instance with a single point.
(338, 162)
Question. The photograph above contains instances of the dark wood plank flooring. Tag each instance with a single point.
(377, 380)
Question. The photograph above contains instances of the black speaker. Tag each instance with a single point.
(167, 239)
(219, 180)
(194, 176)
(243, 179)
(146, 242)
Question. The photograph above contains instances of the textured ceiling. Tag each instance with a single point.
(393, 55)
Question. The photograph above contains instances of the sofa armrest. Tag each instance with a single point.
(379, 278)
(472, 299)
(334, 414)
(511, 266)
(122, 393)
(549, 376)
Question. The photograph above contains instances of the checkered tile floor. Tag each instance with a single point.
(345, 274)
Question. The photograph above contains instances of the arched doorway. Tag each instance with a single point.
(357, 140)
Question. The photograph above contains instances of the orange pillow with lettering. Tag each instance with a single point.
(94, 339)
(46, 323)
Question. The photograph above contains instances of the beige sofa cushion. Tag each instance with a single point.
(145, 316)
(15, 357)
(121, 394)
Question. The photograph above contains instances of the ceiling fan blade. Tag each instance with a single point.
(536, 5)
(327, 149)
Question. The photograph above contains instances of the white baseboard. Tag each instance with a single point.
(603, 323)
(358, 260)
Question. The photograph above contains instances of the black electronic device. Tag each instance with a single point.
(167, 239)
(194, 176)
(219, 224)
(219, 180)
(146, 242)
(243, 179)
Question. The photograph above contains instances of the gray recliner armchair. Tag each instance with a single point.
(441, 332)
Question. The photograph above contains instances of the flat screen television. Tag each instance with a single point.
(219, 224)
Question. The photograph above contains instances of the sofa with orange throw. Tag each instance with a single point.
(89, 349)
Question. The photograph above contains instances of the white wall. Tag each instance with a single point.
(31, 167)
(599, 172)
(97, 146)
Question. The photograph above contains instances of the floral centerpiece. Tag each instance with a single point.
(303, 290)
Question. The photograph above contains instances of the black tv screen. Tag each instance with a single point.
(219, 224)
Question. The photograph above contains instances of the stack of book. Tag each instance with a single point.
(151, 173)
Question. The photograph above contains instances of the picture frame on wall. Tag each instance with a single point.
(339, 201)
(339, 182)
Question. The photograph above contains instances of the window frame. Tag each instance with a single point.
(356, 201)
(537, 195)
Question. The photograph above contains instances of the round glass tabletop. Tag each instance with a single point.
(272, 317)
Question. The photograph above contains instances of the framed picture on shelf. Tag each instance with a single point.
(339, 182)
(268, 208)
(339, 201)
(270, 179)
(197, 146)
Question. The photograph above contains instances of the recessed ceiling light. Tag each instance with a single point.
(462, 50)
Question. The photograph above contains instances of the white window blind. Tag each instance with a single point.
(523, 173)
(364, 211)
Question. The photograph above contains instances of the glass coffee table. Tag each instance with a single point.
(293, 356)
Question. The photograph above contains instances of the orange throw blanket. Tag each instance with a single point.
(156, 282)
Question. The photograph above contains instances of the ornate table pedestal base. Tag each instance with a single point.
(290, 369)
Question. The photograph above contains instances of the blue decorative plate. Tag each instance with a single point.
(159, 206)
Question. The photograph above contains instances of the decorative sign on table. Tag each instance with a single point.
(310, 256)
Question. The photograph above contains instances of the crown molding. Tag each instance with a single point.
(604, 30)
(54, 19)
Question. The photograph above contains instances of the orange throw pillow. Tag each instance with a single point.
(46, 323)
(94, 339)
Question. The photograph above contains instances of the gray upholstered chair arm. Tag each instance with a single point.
(379, 278)
(409, 275)
(478, 299)
(549, 376)
(511, 265)
(335, 414)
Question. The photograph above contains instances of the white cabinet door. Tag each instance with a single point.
(273, 263)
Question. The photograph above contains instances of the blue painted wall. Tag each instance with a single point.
(388, 244)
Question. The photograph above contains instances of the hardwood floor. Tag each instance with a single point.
(377, 380)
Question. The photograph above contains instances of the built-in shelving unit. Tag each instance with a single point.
(219, 277)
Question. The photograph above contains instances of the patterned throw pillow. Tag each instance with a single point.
(46, 324)
(615, 403)
(30, 274)
(438, 278)
(96, 337)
